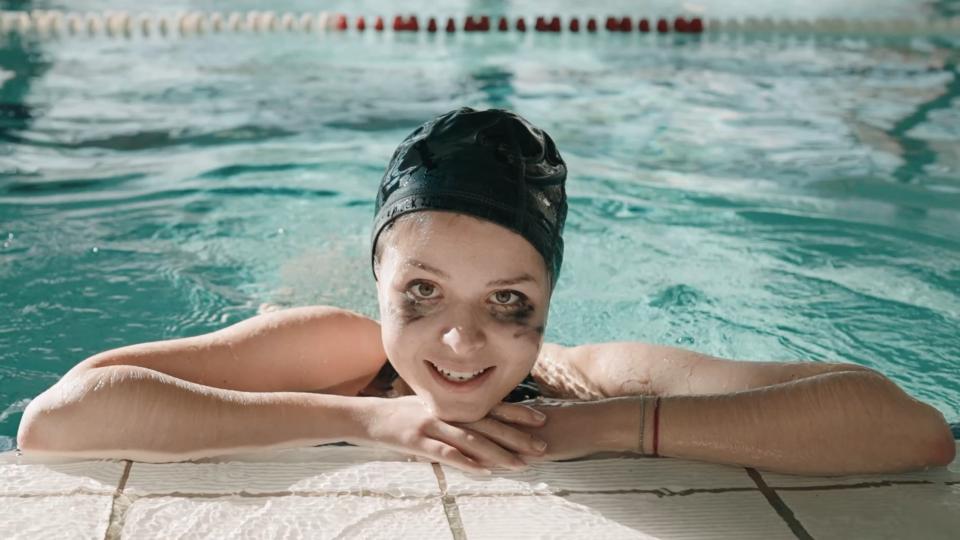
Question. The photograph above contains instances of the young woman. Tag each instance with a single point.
(466, 253)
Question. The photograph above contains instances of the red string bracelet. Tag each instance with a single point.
(656, 426)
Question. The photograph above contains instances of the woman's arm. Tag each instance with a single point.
(169, 399)
(628, 368)
(234, 390)
(837, 421)
(829, 424)
(309, 348)
(131, 412)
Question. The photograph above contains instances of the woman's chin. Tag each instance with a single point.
(460, 412)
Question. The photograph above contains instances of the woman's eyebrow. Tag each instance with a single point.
(497, 282)
(426, 267)
(512, 281)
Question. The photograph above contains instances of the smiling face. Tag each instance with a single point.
(463, 305)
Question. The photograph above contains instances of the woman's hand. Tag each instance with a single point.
(580, 428)
(405, 424)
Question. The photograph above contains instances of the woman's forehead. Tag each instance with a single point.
(450, 245)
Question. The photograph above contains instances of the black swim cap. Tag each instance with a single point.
(491, 164)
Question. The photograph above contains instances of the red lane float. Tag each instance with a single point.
(46, 23)
(481, 23)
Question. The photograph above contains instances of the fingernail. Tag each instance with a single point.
(539, 415)
(540, 446)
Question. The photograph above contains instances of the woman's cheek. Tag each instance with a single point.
(522, 326)
(406, 311)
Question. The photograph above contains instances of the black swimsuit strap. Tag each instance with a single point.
(527, 389)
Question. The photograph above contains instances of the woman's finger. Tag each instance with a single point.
(516, 413)
(477, 446)
(448, 455)
(509, 437)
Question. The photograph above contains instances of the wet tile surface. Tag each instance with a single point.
(54, 517)
(369, 477)
(58, 478)
(545, 517)
(668, 475)
(930, 512)
(630, 515)
(354, 492)
(317, 517)
(732, 515)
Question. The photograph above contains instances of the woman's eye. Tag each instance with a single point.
(424, 290)
(503, 297)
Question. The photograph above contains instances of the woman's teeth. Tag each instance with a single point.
(457, 376)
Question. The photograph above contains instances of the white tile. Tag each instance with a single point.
(601, 475)
(27, 477)
(377, 477)
(735, 515)
(538, 516)
(930, 512)
(950, 473)
(68, 517)
(292, 517)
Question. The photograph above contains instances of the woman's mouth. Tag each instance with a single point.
(460, 379)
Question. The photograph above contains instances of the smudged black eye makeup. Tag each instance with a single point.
(508, 307)
(410, 310)
(518, 316)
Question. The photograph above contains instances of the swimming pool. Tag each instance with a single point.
(754, 198)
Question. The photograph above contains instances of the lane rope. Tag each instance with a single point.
(55, 23)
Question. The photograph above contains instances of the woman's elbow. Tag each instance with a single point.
(935, 445)
(36, 430)
(49, 422)
(945, 451)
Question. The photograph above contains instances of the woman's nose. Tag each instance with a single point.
(463, 340)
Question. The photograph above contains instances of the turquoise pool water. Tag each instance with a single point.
(784, 199)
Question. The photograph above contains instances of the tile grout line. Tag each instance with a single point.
(779, 506)
(117, 511)
(450, 508)
(660, 492)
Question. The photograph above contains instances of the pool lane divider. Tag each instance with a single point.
(124, 24)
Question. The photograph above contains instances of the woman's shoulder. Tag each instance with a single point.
(314, 312)
(343, 347)
(559, 373)
(609, 369)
